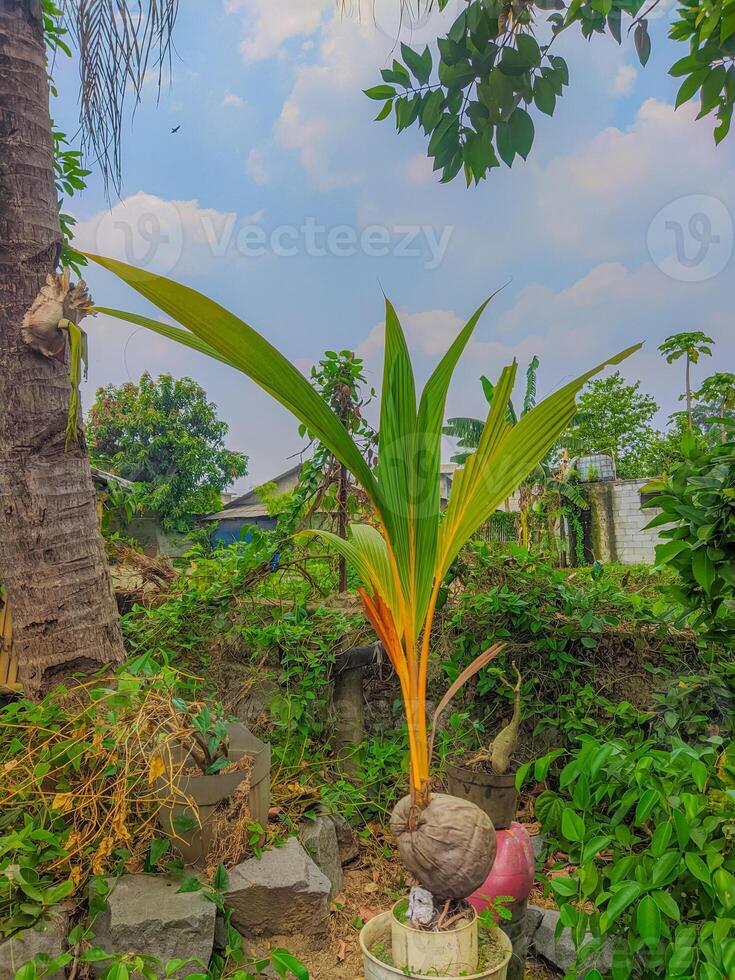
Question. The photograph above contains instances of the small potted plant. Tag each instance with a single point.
(454, 942)
(485, 777)
(205, 766)
(403, 554)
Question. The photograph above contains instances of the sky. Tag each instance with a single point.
(281, 198)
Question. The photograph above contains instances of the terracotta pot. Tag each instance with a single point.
(492, 792)
(209, 790)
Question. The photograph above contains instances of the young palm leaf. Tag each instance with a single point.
(403, 560)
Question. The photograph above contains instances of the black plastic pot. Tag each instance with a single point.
(495, 794)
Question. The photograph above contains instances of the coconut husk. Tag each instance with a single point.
(449, 846)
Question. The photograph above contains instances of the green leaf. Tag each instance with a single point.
(724, 884)
(667, 905)
(521, 131)
(504, 143)
(543, 96)
(560, 66)
(419, 64)
(572, 825)
(285, 963)
(95, 955)
(645, 805)
(648, 921)
(562, 885)
(712, 85)
(26, 972)
(687, 91)
(681, 826)
(642, 42)
(665, 552)
(703, 569)
(380, 92)
(661, 837)
(190, 884)
(666, 868)
(431, 110)
(220, 879)
(593, 847)
(697, 867)
(684, 66)
(614, 19)
(385, 111)
(118, 971)
(619, 902)
(528, 48)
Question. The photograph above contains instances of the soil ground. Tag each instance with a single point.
(372, 884)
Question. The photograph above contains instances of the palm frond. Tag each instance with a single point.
(465, 429)
(119, 45)
(529, 399)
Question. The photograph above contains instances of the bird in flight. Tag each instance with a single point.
(176, 128)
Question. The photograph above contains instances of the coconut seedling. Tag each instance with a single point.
(403, 555)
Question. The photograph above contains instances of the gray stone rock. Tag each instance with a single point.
(47, 937)
(561, 952)
(280, 894)
(537, 843)
(146, 914)
(349, 848)
(319, 837)
(534, 915)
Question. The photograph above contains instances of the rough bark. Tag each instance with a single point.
(52, 559)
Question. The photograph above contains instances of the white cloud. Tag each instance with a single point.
(157, 234)
(599, 202)
(236, 101)
(258, 165)
(625, 80)
(429, 332)
(269, 24)
(326, 118)
(610, 308)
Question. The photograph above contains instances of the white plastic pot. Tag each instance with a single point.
(452, 953)
(376, 937)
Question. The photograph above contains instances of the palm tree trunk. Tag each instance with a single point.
(52, 559)
(689, 393)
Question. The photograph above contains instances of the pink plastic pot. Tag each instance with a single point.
(512, 873)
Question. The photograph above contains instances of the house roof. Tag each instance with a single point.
(249, 504)
(102, 480)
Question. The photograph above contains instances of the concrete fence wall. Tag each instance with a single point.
(615, 523)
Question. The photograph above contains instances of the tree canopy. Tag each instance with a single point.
(615, 418)
(165, 435)
(496, 68)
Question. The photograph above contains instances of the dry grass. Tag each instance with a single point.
(93, 765)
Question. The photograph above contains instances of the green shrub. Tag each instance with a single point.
(698, 527)
(648, 828)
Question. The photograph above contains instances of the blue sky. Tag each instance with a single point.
(282, 199)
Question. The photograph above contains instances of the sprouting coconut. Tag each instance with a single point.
(449, 845)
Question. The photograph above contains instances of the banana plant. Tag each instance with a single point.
(404, 555)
